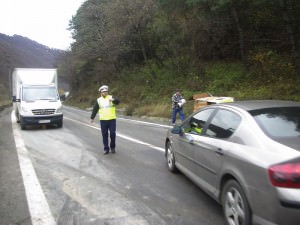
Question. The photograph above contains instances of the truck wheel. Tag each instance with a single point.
(60, 124)
(23, 126)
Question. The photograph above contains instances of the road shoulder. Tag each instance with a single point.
(13, 203)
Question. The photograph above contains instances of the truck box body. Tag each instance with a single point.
(35, 97)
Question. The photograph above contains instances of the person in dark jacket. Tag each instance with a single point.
(106, 108)
(177, 106)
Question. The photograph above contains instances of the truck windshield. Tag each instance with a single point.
(39, 93)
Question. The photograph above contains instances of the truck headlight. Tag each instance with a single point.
(59, 109)
(25, 111)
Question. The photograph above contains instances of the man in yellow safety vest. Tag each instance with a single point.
(106, 108)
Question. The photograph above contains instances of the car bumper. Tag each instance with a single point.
(278, 208)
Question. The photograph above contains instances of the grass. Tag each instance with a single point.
(142, 95)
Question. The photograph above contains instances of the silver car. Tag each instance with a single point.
(246, 155)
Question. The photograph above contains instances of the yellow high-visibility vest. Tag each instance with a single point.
(107, 110)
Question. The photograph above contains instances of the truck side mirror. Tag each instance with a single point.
(15, 99)
(64, 96)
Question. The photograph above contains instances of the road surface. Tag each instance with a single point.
(54, 176)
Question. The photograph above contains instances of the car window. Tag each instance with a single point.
(196, 123)
(223, 124)
(279, 122)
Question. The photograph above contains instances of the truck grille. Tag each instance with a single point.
(43, 111)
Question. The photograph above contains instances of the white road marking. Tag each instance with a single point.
(38, 206)
(122, 135)
(131, 120)
(148, 123)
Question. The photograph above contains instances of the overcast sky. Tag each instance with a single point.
(43, 21)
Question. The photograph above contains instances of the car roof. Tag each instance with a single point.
(249, 105)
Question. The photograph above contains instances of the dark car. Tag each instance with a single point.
(246, 155)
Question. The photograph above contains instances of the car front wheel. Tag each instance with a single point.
(170, 158)
(236, 208)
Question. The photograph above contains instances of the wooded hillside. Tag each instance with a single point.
(18, 51)
(146, 49)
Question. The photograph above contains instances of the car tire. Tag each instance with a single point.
(170, 158)
(236, 208)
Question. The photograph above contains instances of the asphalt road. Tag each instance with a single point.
(60, 176)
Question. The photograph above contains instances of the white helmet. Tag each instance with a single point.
(103, 88)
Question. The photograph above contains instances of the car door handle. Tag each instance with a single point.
(219, 151)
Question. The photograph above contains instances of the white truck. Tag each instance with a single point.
(36, 100)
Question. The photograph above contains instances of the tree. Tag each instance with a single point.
(289, 9)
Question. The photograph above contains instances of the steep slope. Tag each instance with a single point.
(18, 51)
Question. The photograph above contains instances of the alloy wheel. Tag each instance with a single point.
(235, 205)
(170, 158)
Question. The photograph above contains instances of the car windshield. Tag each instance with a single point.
(279, 122)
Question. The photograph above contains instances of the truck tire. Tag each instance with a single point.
(23, 126)
(60, 124)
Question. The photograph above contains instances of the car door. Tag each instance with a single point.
(184, 142)
(211, 146)
(184, 153)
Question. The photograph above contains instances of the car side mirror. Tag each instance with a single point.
(177, 130)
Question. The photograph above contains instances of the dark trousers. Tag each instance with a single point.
(108, 126)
